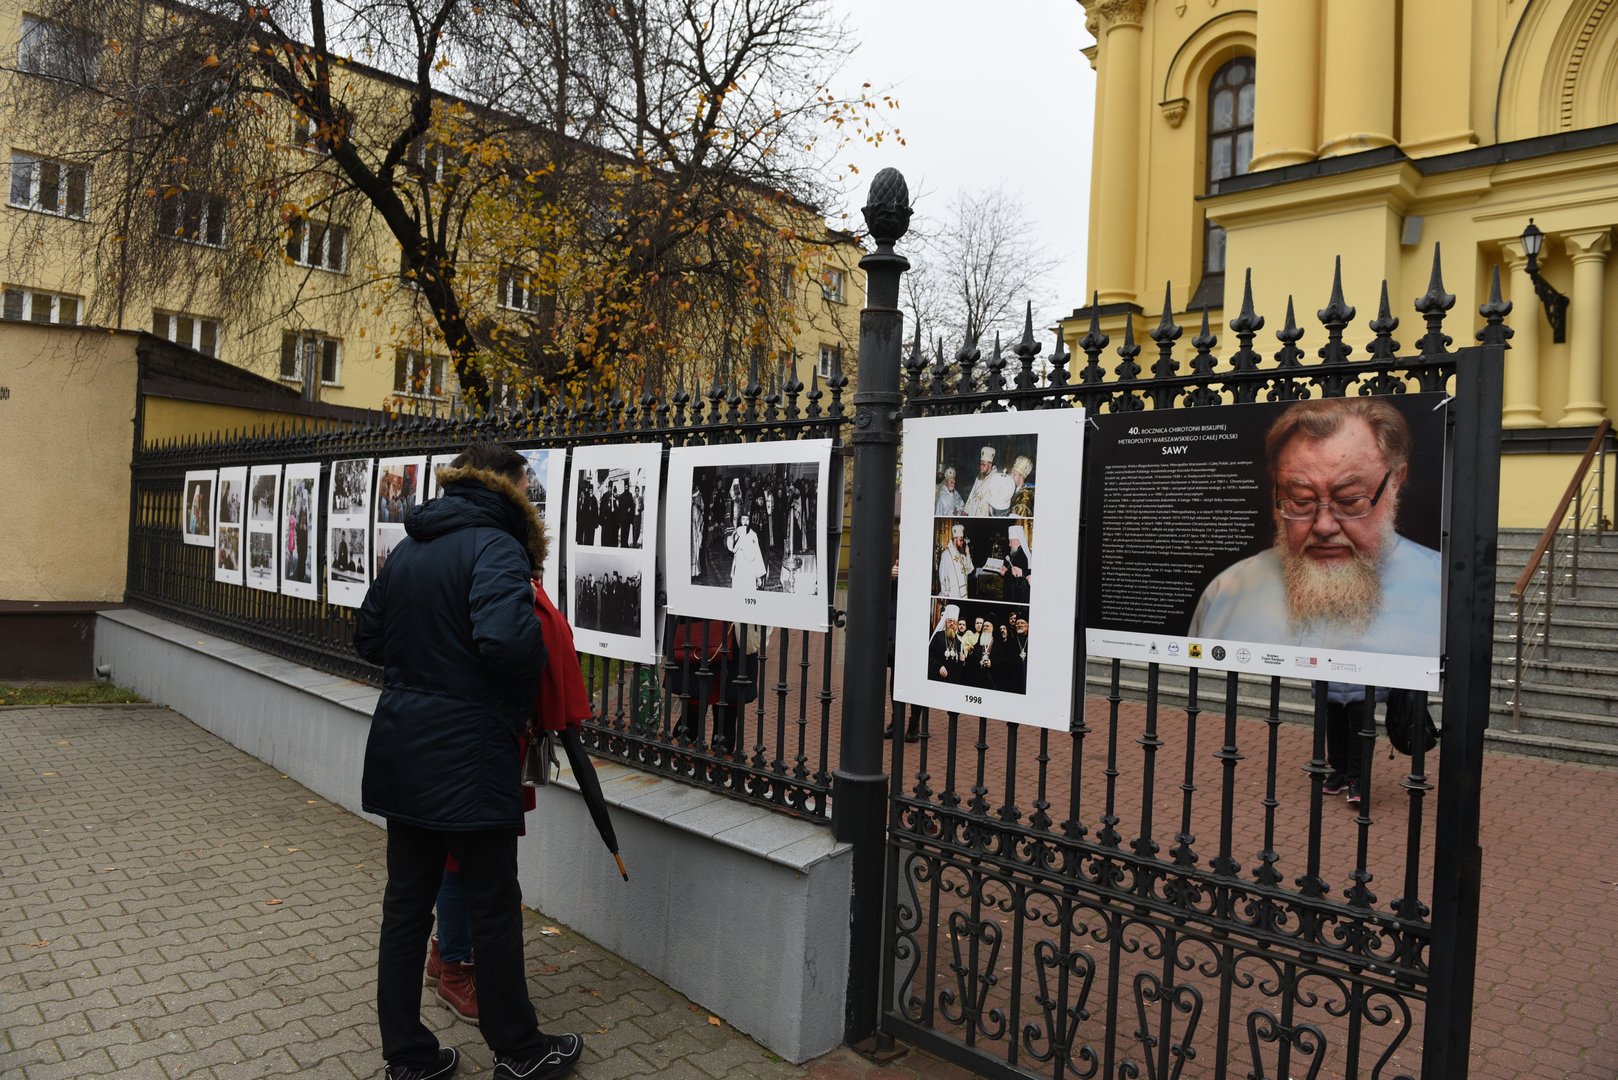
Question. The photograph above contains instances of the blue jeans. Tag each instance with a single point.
(454, 927)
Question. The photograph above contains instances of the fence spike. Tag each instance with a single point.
(1335, 316)
(1059, 359)
(1432, 305)
(1165, 334)
(1092, 343)
(1027, 349)
(1495, 331)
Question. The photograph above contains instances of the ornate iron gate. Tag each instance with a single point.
(1167, 891)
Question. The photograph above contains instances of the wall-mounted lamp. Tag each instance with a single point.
(1555, 303)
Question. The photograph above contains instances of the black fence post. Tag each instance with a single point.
(859, 786)
(1469, 648)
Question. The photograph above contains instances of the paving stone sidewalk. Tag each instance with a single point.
(171, 907)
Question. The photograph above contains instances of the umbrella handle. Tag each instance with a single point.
(619, 859)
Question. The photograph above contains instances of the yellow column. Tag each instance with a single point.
(1359, 77)
(1287, 82)
(1588, 250)
(1522, 360)
(1118, 179)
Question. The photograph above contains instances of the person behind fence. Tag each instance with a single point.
(916, 713)
(708, 665)
(451, 622)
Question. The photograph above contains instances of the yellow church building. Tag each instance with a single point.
(1273, 135)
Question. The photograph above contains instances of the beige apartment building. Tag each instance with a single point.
(333, 317)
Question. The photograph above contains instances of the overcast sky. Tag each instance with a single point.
(990, 94)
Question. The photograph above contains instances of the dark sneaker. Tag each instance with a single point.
(449, 1059)
(1354, 792)
(562, 1052)
(1334, 784)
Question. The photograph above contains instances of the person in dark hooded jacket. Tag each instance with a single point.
(450, 619)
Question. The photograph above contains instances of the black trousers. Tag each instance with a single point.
(1345, 750)
(488, 861)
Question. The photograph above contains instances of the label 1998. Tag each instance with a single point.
(974, 699)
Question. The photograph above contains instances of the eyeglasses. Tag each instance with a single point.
(1347, 508)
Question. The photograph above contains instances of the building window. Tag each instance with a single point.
(1230, 144)
(49, 186)
(308, 134)
(58, 51)
(39, 306)
(299, 348)
(193, 216)
(516, 290)
(832, 285)
(428, 159)
(787, 273)
(318, 244)
(191, 330)
(419, 375)
(831, 357)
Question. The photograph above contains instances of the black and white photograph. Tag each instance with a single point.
(968, 525)
(546, 475)
(983, 559)
(196, 511)
(300, 530)
(606, 595)
(347, 555)
(348, 547)
(230, 544)
(350, 486)
(614, 497)
(398, 488)
(986, 476)
(609, 507)
(263, 483)
(749, 544)
(261, 560)
(979, 645)
(263, 533)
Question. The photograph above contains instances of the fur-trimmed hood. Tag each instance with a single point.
(431, 518)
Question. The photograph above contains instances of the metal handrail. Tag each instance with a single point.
(1534, 632)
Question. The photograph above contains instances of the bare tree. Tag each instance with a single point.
(974, 272)
(569, 185)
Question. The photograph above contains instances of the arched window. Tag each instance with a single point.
(1230, 144)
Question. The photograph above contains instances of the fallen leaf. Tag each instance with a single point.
(63, 742)
(271, 902)
(715, 1021)
(550, 931)
(311, 802)
(548, 969)
(50, 774)
(292, 849)
(694, 1008)
(108, 869)
(39, 944)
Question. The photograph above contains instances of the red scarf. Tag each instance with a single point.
(562, 698)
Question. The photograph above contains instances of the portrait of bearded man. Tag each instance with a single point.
(1338, 574)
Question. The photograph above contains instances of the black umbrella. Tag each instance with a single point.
(584, 772)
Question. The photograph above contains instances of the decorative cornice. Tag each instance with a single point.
(1174, 111)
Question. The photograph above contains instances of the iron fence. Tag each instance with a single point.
(785, 753)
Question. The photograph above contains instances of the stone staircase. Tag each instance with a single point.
(1569, 705)
(1570, 692)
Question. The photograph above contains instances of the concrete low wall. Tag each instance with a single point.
(741, 909)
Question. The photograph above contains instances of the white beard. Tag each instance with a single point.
(1347, 593)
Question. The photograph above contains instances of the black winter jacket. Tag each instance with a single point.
(451, 621)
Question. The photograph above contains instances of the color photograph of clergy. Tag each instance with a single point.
(606, 593)
(981, 646)
(347, 554)
(753, 527)
(991, 476)
(609, 507)
(398, 487)
(983, 559)
(197, 527)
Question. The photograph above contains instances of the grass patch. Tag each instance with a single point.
(66, 693)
